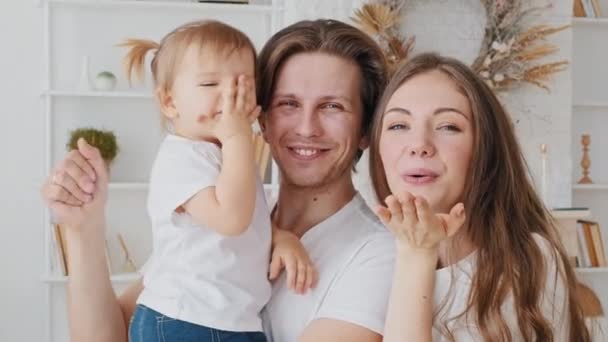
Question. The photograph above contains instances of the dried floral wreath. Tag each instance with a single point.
(508, 51)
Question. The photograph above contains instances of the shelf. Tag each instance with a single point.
(590, 186)
(590, 21)
(115, 278)
(593, 105)
(188, 5)
(144, 186)
(590, 270)
(93, 93)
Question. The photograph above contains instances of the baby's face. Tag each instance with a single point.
(202, 77)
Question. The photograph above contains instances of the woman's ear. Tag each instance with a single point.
(165, 103)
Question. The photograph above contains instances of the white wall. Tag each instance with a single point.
(455, 28)
(545, 119)
(21, 292)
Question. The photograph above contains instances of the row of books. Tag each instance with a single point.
(587, 8)
(581, 236)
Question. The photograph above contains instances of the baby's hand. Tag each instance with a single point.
(415, 226)
(238, 110)
(289, 253)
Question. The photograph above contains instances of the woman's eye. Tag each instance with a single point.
(450, 128)
(397, 126)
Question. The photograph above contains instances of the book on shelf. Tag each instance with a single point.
(591, 244)
(566, 224)
(587, 8)
(596, 8)
(579, 10)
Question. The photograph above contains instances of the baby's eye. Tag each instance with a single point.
(208, 84)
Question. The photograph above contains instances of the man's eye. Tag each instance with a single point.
(332, 105)
(287, 104)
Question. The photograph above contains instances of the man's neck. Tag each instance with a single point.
(298, 209)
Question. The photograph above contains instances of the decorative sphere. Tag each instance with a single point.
(105, 81)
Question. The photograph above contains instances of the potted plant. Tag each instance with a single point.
(105, 141)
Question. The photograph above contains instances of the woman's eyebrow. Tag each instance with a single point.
(399, 110)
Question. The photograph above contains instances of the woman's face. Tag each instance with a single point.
(426, 140)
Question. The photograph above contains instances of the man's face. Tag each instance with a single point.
(313, 124)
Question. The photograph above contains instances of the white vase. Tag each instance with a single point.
(84, 82)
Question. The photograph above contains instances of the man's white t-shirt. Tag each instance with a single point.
(354, 255)
(196, 274)
(453, 301)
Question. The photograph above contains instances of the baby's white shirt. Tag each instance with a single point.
(196, 274)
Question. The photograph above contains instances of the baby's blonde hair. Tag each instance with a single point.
(211, 34)
(168, 54)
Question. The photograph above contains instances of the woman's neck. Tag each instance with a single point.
(298, 209)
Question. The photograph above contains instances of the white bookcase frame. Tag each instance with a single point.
(271, 11)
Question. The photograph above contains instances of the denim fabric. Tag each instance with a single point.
(148, 325)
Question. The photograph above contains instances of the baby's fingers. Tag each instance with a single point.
(276, 264)
(291, 267)
(228, 97)
(254, 114)
(301, 278)
(311, 277)
(241, 94)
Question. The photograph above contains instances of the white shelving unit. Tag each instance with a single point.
(73, 29)
(590, 116)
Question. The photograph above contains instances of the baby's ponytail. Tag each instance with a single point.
(136, 56)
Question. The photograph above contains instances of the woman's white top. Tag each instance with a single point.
(354, 255)
(196, 274)
(554, 303)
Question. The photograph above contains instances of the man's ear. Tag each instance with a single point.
(262, 124)
(165, 103)
(364, 143)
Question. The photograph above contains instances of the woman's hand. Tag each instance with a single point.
(76, 190)
(288, 253)
(415, 226)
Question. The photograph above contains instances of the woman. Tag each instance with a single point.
(441, 140)
(319, 85)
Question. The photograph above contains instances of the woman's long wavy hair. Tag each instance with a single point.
(503, 213)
